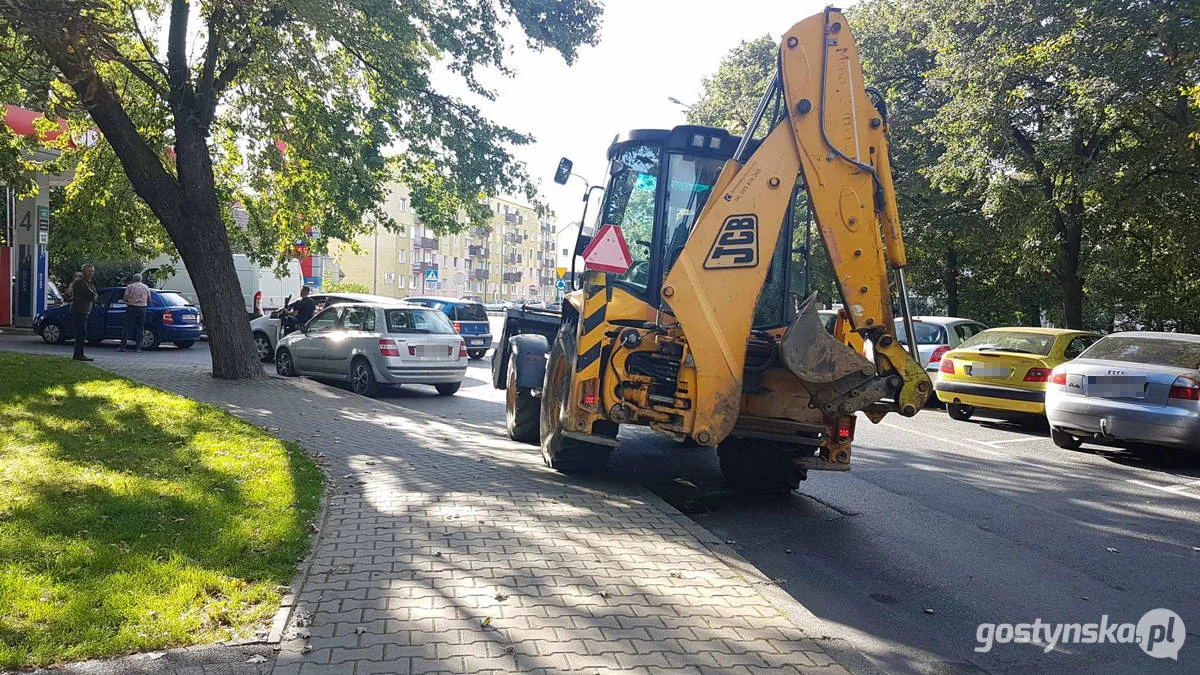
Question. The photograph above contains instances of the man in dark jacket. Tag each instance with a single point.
(83, 294)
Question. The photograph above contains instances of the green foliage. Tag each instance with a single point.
(728, 98)
(132, 519)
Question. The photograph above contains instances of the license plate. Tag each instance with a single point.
(1115, 386)
(188, 318)
(986, 371)
(432, 351)
(475, 342)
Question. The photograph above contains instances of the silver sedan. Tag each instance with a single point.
(377, 343)
(1129, 389)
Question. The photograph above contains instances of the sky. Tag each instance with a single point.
(649, 50)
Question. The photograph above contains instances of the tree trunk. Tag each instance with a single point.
(1069, 271)
(951, 281)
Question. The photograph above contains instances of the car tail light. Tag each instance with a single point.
(462, 349)
(258, 303)
(845, 429)
(946, 367)
(937, 353)
(388, 347)
(168, 318)
(457, 327)
(590, 396)
(1037, 375)
(1059, 378)
(1185, 388)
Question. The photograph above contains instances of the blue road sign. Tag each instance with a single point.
(431, 275)
(561, 284)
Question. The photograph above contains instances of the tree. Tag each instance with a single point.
(285, 107)
(728, 98)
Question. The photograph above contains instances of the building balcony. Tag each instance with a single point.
(479, 274)
(514, 218)
(514, 238)
(478, 251)
(481, 231)
(513, 258)
(547, 280)
(512, 277)
(430, 243)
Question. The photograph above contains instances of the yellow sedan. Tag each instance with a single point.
(1006, 369)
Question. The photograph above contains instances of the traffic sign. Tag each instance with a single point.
(608, 251)
(431, 275)
(560, 271)
(561, 284)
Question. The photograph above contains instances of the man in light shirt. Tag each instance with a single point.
(137, 296)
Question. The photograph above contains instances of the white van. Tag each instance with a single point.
(262, 291)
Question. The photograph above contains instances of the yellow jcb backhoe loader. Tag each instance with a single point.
(703, 337)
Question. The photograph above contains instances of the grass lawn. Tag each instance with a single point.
(132, 519)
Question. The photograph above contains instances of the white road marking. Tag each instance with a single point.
(1022, 439)
(1173, 489)
(972, 448)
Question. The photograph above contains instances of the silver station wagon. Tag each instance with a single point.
(374, 344)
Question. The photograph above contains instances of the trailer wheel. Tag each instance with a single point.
(521, 409)
(759, 467)
(559, 452)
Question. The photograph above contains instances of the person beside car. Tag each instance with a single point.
(301, 311)
(83, 294)
(136, 297)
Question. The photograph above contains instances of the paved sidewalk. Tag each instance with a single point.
(445, 547)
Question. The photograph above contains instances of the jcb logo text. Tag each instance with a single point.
(736, 244)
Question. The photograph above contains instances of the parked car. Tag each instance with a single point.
(937, 335)
(468, 318)
(261, 290)
(1129, 388)
(1005, 369)
(266, 328)
(376, 343)
(497, 306)
(169, 318)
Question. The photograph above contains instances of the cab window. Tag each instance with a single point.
(360, 319)
(325, 321)
(630, 206)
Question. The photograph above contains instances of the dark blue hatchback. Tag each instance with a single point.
(169, 318)
(470, 319)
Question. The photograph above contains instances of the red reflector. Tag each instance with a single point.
(168, 318)
(1037, 375)
(462, 349)
(388, 347)
(1185, 388)
(590, 396)
(457, 327)
(937, 354)
(1059, 379)
(946, 367)
(845, 429)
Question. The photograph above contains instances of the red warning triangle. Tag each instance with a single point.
(607, 251)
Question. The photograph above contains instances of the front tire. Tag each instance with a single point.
(362, 378)
(476, 354)
(262, 346)
(521, 409)
(754, 466)
(959, 411)
(52, 333)
(1064, 440)
(284, 366)
(449, 389)
(559, 452)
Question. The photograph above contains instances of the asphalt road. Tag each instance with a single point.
(941, 526)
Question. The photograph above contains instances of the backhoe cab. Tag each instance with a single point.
(710, 334)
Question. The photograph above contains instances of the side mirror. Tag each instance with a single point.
(581, 243)
(563, 173)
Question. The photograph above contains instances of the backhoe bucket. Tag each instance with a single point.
(815, 356)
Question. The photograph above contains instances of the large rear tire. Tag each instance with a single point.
(521, 409)
(559, 452)
(758, 467)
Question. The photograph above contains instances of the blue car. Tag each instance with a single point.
(470, 320)
(169, 318)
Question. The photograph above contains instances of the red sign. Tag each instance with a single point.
(608, 251)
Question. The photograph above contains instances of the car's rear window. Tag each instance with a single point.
(927, 333)
(471, 312)
(1135, 349)
(1010, 341)
(417, 321)
(171, 299)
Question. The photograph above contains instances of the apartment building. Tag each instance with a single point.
(512, 257)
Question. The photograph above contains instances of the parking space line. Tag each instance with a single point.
(1173, 489)
(1022, 439)
(973, 448)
